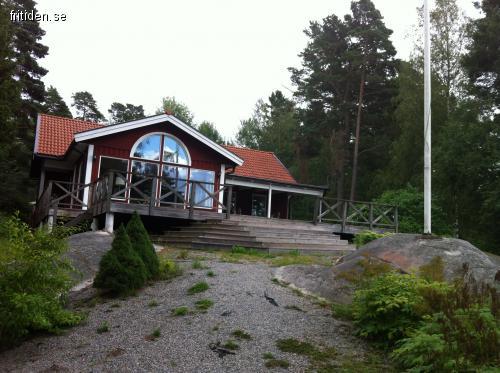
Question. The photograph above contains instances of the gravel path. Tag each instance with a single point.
(237, 290)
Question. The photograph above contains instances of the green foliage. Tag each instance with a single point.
(204, 304)
(267, 355)
(54, 104)
(231, 345)
(178, 109)
(168, 269)
(153, 303)
(433, 271)
(197, 264)
(241, 334)
(384, 310)
(211, 273)
(86, 107)
(156, 333)
(180, 311)
(121, 270)
(410, 204)
(143, 246)
(103, 328)
(33, 281)
(277, 363)
(121, 113)
(319, 357)
(209, 130)
(362, 238)
(199, 287)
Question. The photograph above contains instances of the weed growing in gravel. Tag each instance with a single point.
(103, 328)
(204, 304)
(241, 334)
(154, 335)
(180, 311)
(115, 305)
(342, 311)
(267, 355)
(197, 264)
(153, 303)
(168, 269)
(199, 287)
(294, 307)
(210, 274)
(231, 345)
(277, 363)
(319, 358)
(184, 255)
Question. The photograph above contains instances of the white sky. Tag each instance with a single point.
(217, 56)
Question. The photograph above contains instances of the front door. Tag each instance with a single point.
(259, 205)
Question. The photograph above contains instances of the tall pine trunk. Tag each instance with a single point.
(356, 141)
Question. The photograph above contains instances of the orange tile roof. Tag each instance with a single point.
(260, 165)
(55, 134)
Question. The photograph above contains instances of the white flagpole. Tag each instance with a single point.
(427, 121)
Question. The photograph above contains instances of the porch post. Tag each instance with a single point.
(110, 221)
(222, 181)
(88, 174)
(41, 186)
(269, 197)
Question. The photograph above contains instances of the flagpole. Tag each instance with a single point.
(427, 121)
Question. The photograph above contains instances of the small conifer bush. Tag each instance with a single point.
(143, 246)
(121, 270)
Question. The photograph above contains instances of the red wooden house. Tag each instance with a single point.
(157, 166)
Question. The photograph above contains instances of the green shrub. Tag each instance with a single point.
(121, 270)
(362, 238)
(33, 281)
(465, 340)
(204, 304)
(143, 246)
(103, 328)
(199, 287)
(180, 311)
(433, 271)
(168, 269)
(385, 308)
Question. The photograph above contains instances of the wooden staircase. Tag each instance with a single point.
(274, 235)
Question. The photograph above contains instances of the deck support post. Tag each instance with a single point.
(95, 225)
(110, 221)
(269, 198)
(50, 222)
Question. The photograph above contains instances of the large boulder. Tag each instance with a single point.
(408, 252)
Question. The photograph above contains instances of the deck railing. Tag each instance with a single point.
(356, 213)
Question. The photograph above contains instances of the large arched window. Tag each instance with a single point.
(150, 147)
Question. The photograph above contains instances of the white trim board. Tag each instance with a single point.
(117, 128)
(275, 187)
(88, 174)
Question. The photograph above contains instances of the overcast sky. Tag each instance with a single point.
(217, 56)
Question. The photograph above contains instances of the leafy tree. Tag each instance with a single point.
(86, 107)
(121, 270)
(482, 63)
(143, 246)
(121, 113)
(54, 104)
(249, 134)
(178, 109)
(209, 130)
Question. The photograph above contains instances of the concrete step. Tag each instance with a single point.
(304, 241)
(212, 241)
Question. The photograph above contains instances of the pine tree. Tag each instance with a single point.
(209, 130)
(54, 104)
(86, 107)
(143, 246)
(121, 270)
(121, 113)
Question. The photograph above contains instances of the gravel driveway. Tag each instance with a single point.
(237, 291)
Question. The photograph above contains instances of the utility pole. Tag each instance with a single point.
(427, 121)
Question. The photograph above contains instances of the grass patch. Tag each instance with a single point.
(197, 264)
(241, 334)
(342, 311)
(103, 328)
(180, 311)
(210, 273)
(267, 356)
(277, 363)
(115, 305)
(199, 287)
(168, 269)
(153, 303)
(204, 304)
(231, 345)
(154, 335)
(319, 358)
(184, 255)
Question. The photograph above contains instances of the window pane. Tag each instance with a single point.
(149, 148)
(119, 167)
(173, 151)
(173, 179)
(141, 172)
(206, 179)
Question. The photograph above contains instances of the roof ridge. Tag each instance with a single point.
(74, 119)
(254, 150)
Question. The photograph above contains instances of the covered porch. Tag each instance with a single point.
(266, 198)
